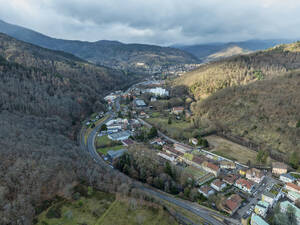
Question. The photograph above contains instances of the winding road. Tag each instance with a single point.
(207, 215)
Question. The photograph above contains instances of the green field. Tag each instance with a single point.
(123, 213)
(195, 172)
(104, 144)
(178, 129)
(98, 208)
(85, 210)
(114, 148)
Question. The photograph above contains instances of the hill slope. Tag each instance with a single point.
(44, 94)
(203, 51)
(253, 98)
(265, 113)
(241, 70)
(132, 57)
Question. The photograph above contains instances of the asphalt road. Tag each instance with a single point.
(201, 212)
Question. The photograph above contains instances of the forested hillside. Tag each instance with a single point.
(241, 70)
(44, 95)
(253, 98)
(114, 54)
(266, 113)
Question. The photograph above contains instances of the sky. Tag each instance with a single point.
(162, 22)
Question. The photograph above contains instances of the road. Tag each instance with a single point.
(205, 214)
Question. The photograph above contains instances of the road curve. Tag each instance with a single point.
(203, 213)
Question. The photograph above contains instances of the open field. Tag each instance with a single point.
(123, 213)
(104, 144)
(178, 129)
(231, 150)
(114, 148)
(195, 172)
(85, 210)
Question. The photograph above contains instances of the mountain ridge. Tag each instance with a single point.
(112, 54)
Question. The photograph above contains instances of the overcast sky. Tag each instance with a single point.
(161, 22)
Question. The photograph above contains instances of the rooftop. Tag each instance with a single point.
(279, 165)
(258, 220)
(245, 183)
(120, 134)
(116, 154)
(210, 165)
(233, 202)
(218, 183)
(294, 186)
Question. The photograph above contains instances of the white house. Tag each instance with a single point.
(206, 191)
(287, 178)
(218, 185)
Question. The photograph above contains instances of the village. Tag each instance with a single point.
(251, 195)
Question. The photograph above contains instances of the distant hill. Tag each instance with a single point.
(241, 70)
(44, 96)
(129, 57)
(204, 51)
(253, 97)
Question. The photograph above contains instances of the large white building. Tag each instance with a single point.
(158, 91)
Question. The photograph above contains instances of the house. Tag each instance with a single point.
(218, 185)
(167, 156)
(232, 204)
(206, 191)
(177, 110)
(158, 91)
(210, 168)
(261, 208)
(230, 179)
(113, 155)
(255, 175)
(292, 187)
(245, 185)
(140, 103)
(170, 150)
(287, 178)
(143, 115)
(194, 141)
(119, 136)
(293, 196)
(157, 141)
(257, 220)
(127, 142)
(284, 207)
(153, 99)
(225, 164)
(269, 197)
(279, 168)
(182, 148)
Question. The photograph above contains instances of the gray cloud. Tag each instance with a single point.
(157, 21)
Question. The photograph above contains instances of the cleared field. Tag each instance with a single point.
(85, 210)
(114, 148)
(195, 172)
(104, 144)
(123, 213)
(231, 150)
(178, 129)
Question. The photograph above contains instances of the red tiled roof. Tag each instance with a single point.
(198, 160)
(205, 189)
(230, 178)
(218, 182)
(245, 183)
(233, 202)
(293, 186)
(211, 166)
